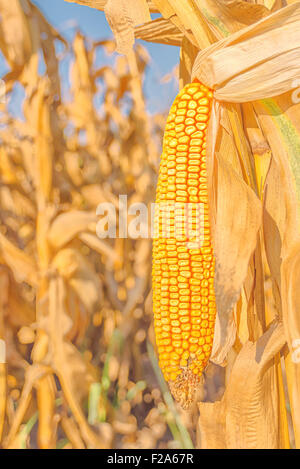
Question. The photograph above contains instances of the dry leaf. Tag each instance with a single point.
(227, 16)
(159, 30)
(240, 70)
(68, 225)
(21, 264)
(248, 415)
(15, 38)
(187, 17)
(122, 16)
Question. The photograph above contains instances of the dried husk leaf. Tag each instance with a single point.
(240, 70)
(247, 416)
(15, 39)
(290, 274)
(236, 215)
(187, 17)
(238, 220)
(188, 53)
(228, 16)
(98, 245)
(123, 16)
(281, 226)
(260, 148)
(279, 119)
(160, 30)
(80, 275)
(122, 26)
(40, 35)
(81, 108)
(290, 280)
(21, 264)
(21, 313)
(68, 225)
(7, 169)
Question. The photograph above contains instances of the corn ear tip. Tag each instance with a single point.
(184, 388)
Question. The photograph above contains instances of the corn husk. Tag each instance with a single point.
(258, 62)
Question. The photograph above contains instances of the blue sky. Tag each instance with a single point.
(68, 17)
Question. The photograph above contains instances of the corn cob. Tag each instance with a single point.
(183, 274)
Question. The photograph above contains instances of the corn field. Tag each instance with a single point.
(79, 360)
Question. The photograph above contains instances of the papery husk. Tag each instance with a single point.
(123, 16)
(290, 280)
(68, 225)
(161, 31)
(23, 266)
(236, 215)
(81, 276)
(188, 19)
(260, 61)
(278, 120)
(15, 34)
(188, 53)
(247, 416)
(227, 16)
(281, 221)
